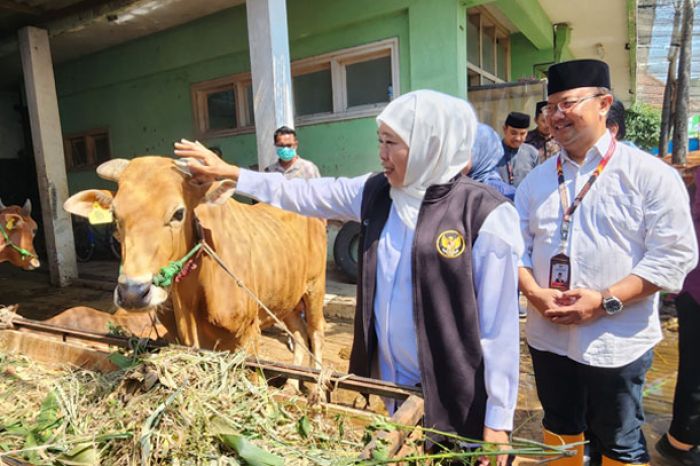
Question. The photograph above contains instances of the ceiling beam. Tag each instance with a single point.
(91, 11)
(16, 7)
(530, 19)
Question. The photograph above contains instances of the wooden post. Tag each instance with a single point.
(47, 140)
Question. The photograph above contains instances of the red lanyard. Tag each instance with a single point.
(564, 195)
(509, 169)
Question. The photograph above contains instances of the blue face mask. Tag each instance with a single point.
(286, 153)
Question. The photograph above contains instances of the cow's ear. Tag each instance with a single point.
(112, 169)
(13, 221)
(82, 203)
(220, 192)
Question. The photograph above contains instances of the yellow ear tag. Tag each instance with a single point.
(99, 215)
(10, 224)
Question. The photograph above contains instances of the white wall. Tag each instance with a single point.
(11, 137)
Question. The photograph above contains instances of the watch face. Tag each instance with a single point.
(612, 305)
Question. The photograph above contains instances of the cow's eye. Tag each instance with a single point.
(178, 215)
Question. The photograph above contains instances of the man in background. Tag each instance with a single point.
(540, 137)
(681, 444)
(518, 158)
(288, 161)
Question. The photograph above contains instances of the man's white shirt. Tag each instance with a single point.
(634, 220)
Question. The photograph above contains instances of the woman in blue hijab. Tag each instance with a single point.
(486, 153)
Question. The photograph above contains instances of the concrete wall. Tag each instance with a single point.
(11, 135)
(140, 91)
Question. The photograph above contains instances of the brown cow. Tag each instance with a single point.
(20, 228)
(279, 256)
(88, 319)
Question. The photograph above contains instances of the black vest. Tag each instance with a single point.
(444, 302)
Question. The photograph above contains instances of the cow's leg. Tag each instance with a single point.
(166, 317)
(315, 321)
(295, 325)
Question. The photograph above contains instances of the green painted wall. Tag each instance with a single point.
(438, 45)
(140, 90)
(523, 55)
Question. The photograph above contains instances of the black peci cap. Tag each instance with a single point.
(577, 73)
(538, 107)
(518, 120)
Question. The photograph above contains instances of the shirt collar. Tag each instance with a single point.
(595, 153)
(508, 152)
(293, 166)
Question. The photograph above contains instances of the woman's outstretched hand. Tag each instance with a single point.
(206, 166)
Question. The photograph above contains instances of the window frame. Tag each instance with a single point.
(89, 139)
(486, 19)
(201, 91)
(337, 61)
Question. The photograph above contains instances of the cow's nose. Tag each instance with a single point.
(132, 294)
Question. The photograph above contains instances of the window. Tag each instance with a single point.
(369, 82)
(223, 106)
(221, 109)
(488, 49)
(348, 83)
(313, 92)
(86, 150)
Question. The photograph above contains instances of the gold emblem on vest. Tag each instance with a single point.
(450, 244)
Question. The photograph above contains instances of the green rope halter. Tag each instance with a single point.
(22, 252)
(167, 274)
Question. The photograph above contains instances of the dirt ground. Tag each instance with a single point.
(39, 300)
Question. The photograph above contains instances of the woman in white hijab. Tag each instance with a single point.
(437, 295)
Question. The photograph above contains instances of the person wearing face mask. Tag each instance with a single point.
(437, 292)
(518, 157)
(606, 226)
(288, 161)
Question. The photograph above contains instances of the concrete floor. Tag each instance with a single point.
(39, 300)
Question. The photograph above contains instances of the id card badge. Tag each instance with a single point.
(560, 272)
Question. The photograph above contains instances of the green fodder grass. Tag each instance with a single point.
(177, 406)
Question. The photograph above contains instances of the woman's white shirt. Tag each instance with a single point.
(495, 256)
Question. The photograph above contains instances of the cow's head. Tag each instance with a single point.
(154, 213)
(20, 228)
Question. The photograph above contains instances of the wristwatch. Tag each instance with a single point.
(611, 305)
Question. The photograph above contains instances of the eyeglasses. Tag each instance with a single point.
(566, 106)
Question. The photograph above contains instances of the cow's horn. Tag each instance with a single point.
(112, 169)
(2, 206)
(27, 208)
